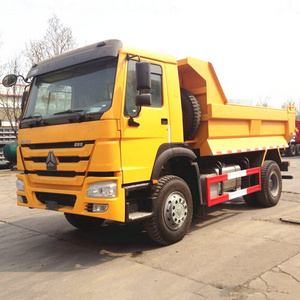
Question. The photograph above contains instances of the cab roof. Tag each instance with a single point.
(108, 48)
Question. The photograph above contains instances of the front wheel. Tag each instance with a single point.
(173, 211)
(84, 222)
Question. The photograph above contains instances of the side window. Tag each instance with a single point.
(131, 92)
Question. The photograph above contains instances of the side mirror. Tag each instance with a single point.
(143, 76)
(143, 82)
(143, 100)
(9, 80)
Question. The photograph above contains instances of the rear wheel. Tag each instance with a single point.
(271, 184)
(84, 222)
(250, 199)
(291, 151)
(298, 149)
(173, 211)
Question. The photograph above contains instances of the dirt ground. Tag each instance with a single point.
(233, 252)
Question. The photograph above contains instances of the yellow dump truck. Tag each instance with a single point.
(116, 133)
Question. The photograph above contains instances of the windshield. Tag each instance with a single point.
(85, 91)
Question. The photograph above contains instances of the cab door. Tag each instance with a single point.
(145, 130)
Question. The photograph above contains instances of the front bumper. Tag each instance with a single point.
(72, 199)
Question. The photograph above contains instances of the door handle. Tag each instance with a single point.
(164, 121)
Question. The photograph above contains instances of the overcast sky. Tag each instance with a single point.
(253, 44)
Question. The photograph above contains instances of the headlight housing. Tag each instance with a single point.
(20, 185)
(107, 189)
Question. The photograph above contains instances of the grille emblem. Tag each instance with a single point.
(51, 162)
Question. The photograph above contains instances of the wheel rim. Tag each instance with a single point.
(176, 210)
(274, 184)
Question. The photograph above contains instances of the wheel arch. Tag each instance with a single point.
(182, 162)
(273, 154)
(167, 152)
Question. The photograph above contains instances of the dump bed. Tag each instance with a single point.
(231, 128)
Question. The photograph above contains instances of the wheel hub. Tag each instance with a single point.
(274, 184)
(176, 210)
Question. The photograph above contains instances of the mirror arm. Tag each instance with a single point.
(133, 123)
(128, 57)
(25, 79)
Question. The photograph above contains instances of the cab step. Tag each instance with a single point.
(138, 215)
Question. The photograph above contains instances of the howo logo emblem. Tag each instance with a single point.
(51, 162)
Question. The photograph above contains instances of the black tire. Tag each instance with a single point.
(173, 211)
(84, 222)
(298, 149)
(250, 199)
(271, 184)
(291, 151)
(191, 114)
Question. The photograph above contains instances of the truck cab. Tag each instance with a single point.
(82, 134)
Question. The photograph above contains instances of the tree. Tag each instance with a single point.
(264, 102)
(0, 61)
(291, 102)
(11, 106)
(57, 40)
(10, 101)
(288, 102)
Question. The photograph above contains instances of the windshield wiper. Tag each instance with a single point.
(34, 116)
(38, 119)
(81, 114)
(70, 111)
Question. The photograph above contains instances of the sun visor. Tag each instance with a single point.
(109, 48)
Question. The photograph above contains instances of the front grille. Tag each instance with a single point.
(76, 144)
(101, 174)
(61, 159)
(56, 173)
(68, 159)
(60, 199)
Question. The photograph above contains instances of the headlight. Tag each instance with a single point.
(106, 189)
(20, 184)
